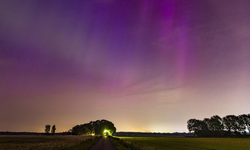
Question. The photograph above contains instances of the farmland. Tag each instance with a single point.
(40, 142)
(182, 143)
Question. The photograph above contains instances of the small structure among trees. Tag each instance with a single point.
(98, 127)
(216, 126)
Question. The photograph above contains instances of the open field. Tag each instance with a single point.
(16, 142)
(182, 143)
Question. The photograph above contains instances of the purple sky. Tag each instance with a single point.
(145, 65)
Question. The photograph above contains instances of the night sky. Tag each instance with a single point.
(145, 65)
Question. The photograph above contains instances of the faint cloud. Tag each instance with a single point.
(153, 91)
(153, 85)
(142, 81)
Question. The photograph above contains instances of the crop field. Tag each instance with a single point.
(184, 143)
(16, 142)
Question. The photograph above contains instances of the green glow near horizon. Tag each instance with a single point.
(105, 132)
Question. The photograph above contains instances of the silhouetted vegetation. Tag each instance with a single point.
(98, 127)
(69, 132)
(216, 126)
(47, 129)
(53, 130)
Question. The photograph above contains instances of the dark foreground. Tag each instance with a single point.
(103, 144)
(27, 142)
(186, 143)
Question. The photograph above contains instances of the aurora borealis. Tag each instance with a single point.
(145, 65)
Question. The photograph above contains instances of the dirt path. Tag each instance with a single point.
(103, 144)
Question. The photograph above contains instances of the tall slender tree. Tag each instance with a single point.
(47, 129)
(53, 129)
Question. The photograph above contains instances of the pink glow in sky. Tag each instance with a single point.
(144, 65)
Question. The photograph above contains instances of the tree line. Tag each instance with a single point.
(98, 127)
(216, 126)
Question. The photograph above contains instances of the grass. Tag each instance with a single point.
(182, 143)
(121, 144)
(84, 145)
(16, 142)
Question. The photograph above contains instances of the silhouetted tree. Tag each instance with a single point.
(47, 129)
(195, 126)
(229, 122)
(106, 125)
(215, 126)
(53, 129)
(94, 127)
(192, 125)
(76, 130)
(204, 127)
(239, 126)
(234, 123)
(246, 121)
